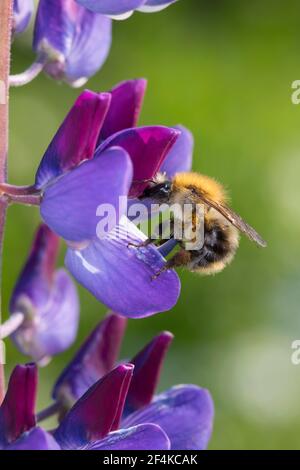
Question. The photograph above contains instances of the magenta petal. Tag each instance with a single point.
(76, 138)
(35, 439)
(96, 413)
(147, 368)
(17, 409)
(120, 276)
(36, 277)
(96, 357)
(184, 412)
(126, 102)
(180, 157)
(142, 437)
(69, 206)
(147, 147)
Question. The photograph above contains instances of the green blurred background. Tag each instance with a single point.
(224, 69)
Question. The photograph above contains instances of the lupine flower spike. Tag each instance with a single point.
(87, 186)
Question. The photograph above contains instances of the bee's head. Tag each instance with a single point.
(159, 191)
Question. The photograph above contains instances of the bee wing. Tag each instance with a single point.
(236, 220)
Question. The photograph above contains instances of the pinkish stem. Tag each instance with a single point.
(5, 43)
(27, 195)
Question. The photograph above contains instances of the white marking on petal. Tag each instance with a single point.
(152, 9)
(121, 17)
(92, 269)
(78, 83)
(127, 230)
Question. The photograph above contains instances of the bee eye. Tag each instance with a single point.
(165, 189)
(160, 190)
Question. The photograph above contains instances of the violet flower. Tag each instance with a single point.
(22, 12)
(75, 178)
(118, 410)
(180, 418)
(122, 9)
(17, 418)
(87, 425)
(184, 412)
(71, 41)
(47, 299)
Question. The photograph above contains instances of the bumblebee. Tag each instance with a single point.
(222, 225)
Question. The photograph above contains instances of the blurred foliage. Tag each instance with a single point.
(223, 69)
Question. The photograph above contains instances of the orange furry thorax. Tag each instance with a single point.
(204, 184)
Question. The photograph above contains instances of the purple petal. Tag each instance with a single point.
(55, 27)
(179, 158)
(75, 41)
(126, 102)
(35, 439)
(147, 368)
(37, 275)
(184, 412)
(52, 329)
(48, 299)
(96, 413)
(22, 13)
(69, 206)
(111, 7)
(152, 6)
(121, 276)
(96, 357)
(76, 138)
(17, 409)
(142, 437)
(147, 147)
(156, 3)
(90, 48)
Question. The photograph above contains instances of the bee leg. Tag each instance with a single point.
(181, 258)
(156, 237)
(142, 244)
(163, 269)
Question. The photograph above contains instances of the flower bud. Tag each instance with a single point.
(72, 41)
(48, 300)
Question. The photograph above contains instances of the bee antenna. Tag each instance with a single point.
(144, 181)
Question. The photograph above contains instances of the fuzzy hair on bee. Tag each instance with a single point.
(222, 225)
